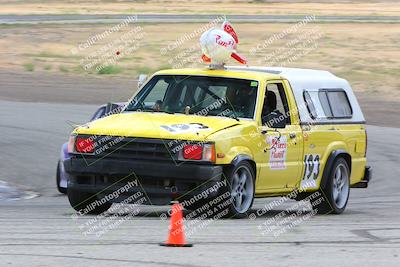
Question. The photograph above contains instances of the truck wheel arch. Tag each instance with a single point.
(330, 161)
(243, 157)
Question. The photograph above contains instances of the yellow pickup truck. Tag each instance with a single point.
(191, 135)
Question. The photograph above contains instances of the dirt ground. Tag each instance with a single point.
(273, 7)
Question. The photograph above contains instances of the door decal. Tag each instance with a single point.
(311, 171)
(277, 158)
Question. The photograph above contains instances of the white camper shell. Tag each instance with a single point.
(312, 89)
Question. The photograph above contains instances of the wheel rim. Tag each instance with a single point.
(242, 189)
(341, 186)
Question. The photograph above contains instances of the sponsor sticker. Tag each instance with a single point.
(254, 84)
(277, 152)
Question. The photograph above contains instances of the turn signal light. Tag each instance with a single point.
(209, 152)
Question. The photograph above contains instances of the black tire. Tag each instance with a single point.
(331, 199)
(233, 211)
(60, 189)
(81, 200)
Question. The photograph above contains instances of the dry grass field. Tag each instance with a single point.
(366, 54)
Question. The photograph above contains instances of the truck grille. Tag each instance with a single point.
(133, 148)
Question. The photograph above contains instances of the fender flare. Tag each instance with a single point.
(239, 158)
(329, 163)
(243, 157)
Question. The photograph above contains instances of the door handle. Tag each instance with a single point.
(292, 135)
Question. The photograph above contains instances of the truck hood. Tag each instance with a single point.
(157, 125)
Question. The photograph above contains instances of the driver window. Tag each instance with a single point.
(275, 101)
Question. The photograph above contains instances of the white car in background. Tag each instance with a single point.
(62, 176)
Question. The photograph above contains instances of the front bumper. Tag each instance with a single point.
(364, 182)
(161, 182)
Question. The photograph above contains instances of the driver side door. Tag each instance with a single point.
(282, 163)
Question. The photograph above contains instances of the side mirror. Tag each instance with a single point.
(109, 107)
(112, 108)
(274, 120)
(141, 80)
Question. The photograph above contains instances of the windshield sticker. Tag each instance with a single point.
(311, 171)
(254, 84)
(277, 152)
(184, 128)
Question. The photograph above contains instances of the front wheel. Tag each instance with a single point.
(59, 173)
(336, 192)
(241, 185)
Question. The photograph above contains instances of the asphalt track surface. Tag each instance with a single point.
(188, 18)
(41, 232)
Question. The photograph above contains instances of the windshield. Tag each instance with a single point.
(199, 95)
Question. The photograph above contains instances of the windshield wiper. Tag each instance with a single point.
(168, 112)
(151, 110)
(140, 109)
(234, 116)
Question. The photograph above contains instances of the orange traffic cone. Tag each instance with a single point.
(176, 236)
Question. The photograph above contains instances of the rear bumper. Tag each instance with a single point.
(364, 182)
(159, 181)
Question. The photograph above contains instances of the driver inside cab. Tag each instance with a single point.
(270, 113)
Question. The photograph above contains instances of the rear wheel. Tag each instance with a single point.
(336, 192)
(86, 202)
